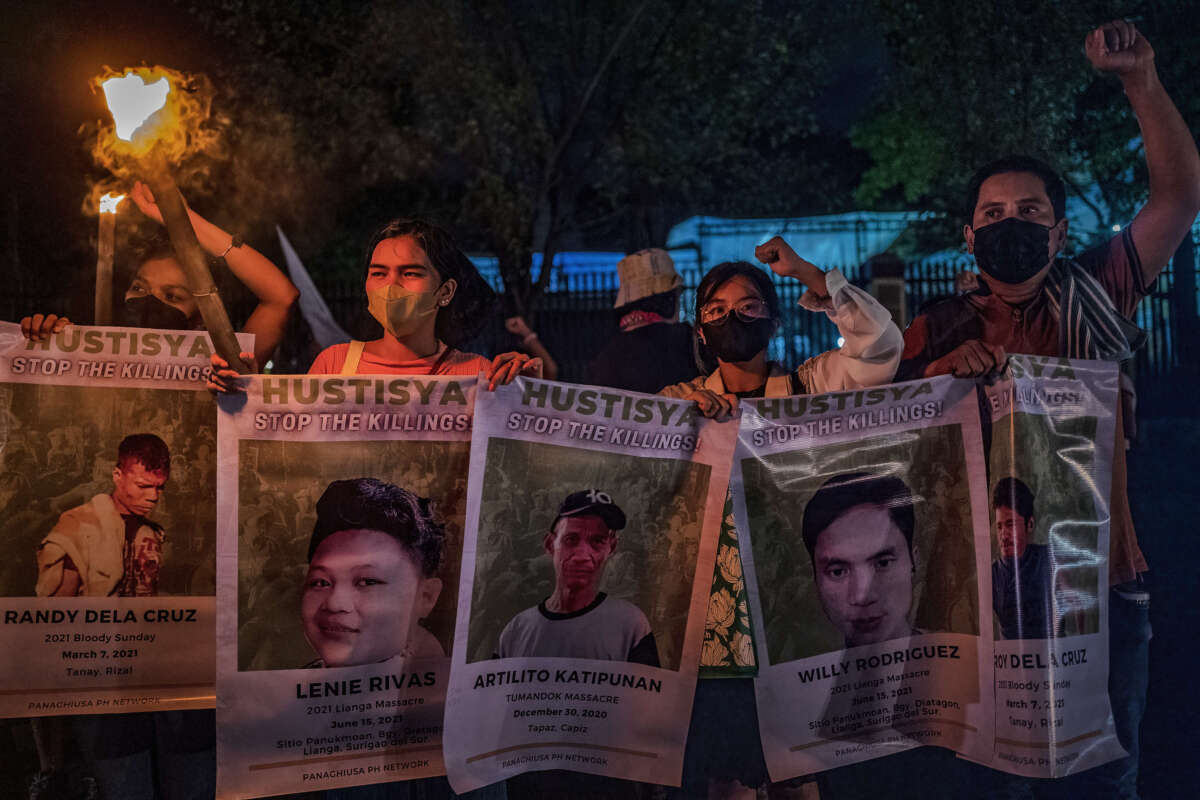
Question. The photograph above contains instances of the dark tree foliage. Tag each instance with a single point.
(527, 126)
(971, 82)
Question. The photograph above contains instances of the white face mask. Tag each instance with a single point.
(401, 312)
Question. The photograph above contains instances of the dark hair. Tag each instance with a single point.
(152, 247)
(462, 318)
(715, 277)
(1013, 493)
(370, 504)
(156, 245)
(147, 449)
(665, 304)
(1055, 190)
(843, 492)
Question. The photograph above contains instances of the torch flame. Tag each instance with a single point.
(156, 110)
(109, 203)
(132, 101)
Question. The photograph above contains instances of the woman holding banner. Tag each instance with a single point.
(430, 299)
(122, 750)
(737, 311)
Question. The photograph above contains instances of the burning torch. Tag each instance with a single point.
(144, 117)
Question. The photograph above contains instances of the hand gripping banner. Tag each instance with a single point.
(590, 514)
(340, 536)
(107, 495)
(862, 518)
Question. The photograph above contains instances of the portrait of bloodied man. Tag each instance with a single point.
(109, 546)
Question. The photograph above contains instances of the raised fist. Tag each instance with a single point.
(1117, 47)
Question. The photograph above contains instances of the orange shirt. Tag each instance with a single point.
(330, 361)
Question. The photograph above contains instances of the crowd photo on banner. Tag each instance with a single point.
(748, 522)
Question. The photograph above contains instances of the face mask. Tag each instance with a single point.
(150, 312)
(400, 311)
(1012, 250)
(733, 339)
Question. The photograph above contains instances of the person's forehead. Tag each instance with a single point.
(1012, 187)
(137, 470)
(360, 544)
(400, 251)
(162, 272)
(583, 524)
(736, 289)
(1004, 513)
(858, 534)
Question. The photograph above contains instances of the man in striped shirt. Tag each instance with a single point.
(1032, 301)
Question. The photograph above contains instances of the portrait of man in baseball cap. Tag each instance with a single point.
(578, 620)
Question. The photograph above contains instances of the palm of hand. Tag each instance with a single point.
(145, 201)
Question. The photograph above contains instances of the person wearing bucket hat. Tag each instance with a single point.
(652, 349)
(578, 620)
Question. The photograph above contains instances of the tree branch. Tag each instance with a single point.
(1101, 217)
(577, 116)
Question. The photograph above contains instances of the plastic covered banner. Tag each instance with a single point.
(590, 514)
(1053, 428)
(339, 542)
(107, 492)
(862, 517)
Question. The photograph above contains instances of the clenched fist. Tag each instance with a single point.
(1119, 48)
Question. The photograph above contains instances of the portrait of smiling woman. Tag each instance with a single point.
(373, 562)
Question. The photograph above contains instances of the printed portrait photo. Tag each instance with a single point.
(1045, 527)
(585, 555)
(863, 542)
(348, 552)
(107, 492)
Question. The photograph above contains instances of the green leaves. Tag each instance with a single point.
(526, 125)
(973, 82)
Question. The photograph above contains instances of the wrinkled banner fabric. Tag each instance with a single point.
(534, 689)
(1049, 482)
(863, 521)
(332, 647)
(134, 630)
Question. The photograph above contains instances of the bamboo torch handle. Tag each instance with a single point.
(191, 257)
(104, 268)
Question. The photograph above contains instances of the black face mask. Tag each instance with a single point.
(150, 312)
(733, 339)
(1012, 250)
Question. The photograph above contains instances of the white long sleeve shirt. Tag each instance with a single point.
(868, 356)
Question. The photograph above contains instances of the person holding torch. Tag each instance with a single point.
(170, 753)
(157, 117)
(158, 295)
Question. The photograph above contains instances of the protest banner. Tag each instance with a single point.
(107, 492)
(862, 519)
(341, 504)
(1053, 429)
(590, 514)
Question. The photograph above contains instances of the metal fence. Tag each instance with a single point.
(576, 319)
